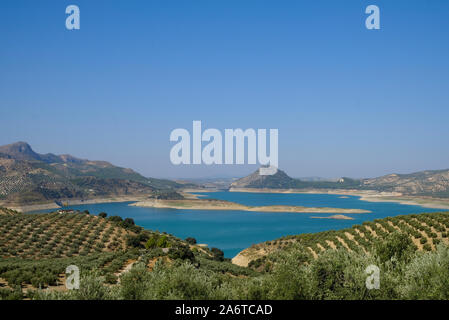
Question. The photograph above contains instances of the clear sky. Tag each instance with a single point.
(347, 101)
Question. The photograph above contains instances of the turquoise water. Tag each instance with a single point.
(233, 231)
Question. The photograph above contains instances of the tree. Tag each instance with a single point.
(115, 219)
(128, 222)
(151, 243)
(181, 252)
(136, 241)
(191, 240)
(162, 242)
(103, 214)
(218, 254)
(396, 247)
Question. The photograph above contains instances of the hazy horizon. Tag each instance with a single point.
(347, 101)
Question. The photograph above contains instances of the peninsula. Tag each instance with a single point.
(212, 204)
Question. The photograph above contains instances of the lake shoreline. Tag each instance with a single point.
(53, 205)
(370, 196)
(212, 204)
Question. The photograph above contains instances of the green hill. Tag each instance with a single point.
(425, 230)
(27, 177)
(411, 252)
(35, 249)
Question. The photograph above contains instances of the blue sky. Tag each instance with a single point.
(347, 101)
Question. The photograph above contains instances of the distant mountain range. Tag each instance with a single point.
(434, 183)
(28, 177)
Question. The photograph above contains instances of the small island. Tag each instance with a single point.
(336, 217)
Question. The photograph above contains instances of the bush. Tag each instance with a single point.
(181, 281)
(136, 241)
(217, 254)
(110, 278)
(426, 276)
(9, 294)
(191, 240)
(396, 247)
(135, 284)
(115, 219)
(181, 252)
(127, 223)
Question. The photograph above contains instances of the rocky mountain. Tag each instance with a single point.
(28, 177)
(425, 183)
(279, 180)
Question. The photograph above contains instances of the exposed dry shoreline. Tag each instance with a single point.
(371, 196)
(336, 217)
(212, 204)
(368, 195)
(53, 205)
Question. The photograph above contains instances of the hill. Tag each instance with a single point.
(279, 180)
(57, 235)
(425, 230)
(35, 250)
(27, 177)
(411, 253)
(7, 211)
(433, 183)
(425, 183)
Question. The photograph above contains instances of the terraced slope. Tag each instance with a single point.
(7, 212)
(35, 250)
(57, 235)
(426, 230)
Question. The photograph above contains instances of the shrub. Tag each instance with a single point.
(111, 278)
(128, 222)
(395, 247)
(136, 241)
(217, 254)
(426, 276)
(181, 252)
(115, 219)
(191, 240)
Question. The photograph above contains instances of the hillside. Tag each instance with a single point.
(433, 183)
(35, 250)
(425, 183)
(410, 251)
(7, 211)
(279, 180)
(425, 230)
(27, 177)
(58, 235)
